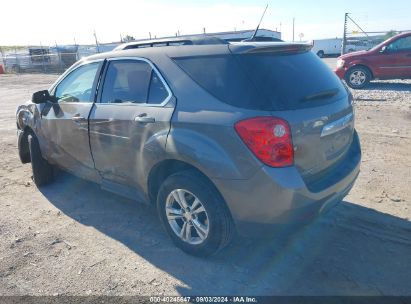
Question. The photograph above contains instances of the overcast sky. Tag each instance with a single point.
(48, 22)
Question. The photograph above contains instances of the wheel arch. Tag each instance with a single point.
(164, 169)
(161, 171)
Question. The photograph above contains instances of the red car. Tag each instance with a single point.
(388, 60)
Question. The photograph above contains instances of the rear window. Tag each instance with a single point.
(265, 81)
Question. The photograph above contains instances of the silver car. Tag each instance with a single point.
(220, 137)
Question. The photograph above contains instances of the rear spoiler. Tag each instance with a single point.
(272, 48)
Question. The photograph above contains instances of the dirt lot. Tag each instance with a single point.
(71, 238)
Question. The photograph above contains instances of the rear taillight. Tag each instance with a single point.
(269, 139)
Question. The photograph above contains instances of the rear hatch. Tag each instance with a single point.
(300, 88)
(290, 82)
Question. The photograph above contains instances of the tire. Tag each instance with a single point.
(208, 231)
(23, 147)
(42, 170)
(357, 77)
(320, 54)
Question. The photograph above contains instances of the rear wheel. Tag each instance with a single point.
(357, 77)
(42, 170)
(194, 214)
(320, 54)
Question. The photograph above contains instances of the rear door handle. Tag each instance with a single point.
(78, 119)
(143, 118)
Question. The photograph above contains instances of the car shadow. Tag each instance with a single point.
(388, 86)
(352, 250)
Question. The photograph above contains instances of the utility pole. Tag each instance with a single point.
(42, 56)
(76, 47)
(59, 56)
(17, 60)
(293, 28)
(344, 42)
(95, 37)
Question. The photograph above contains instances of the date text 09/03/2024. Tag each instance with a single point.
(198, 299)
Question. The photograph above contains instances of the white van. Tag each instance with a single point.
(327, 47)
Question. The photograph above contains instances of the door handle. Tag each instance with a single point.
(78, 119)
(101, 121)
(143, 118)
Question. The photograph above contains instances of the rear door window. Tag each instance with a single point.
(132, 81)
(265, 81)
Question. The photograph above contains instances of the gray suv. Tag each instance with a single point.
(221, 137)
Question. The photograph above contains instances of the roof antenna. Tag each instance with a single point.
(258, 26)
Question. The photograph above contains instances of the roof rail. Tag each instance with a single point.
(270, 47)
(207, 40)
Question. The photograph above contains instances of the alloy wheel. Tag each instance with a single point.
(187, 216)
(357, 77)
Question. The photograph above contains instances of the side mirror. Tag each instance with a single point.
(42, 97)
(384, 49)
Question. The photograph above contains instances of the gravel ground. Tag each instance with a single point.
(71, 238)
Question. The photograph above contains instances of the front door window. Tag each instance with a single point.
(78, 85)
(402, 44)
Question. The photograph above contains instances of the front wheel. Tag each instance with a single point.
(194, 214)
(357, 77)
(42, 170)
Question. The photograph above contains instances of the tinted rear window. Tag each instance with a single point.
(265, 81)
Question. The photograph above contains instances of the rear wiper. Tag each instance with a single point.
(321, 95)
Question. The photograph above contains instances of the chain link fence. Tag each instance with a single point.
(361, 41)
(357, 37)
(46, 59)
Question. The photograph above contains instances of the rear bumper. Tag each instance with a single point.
(279, 197)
